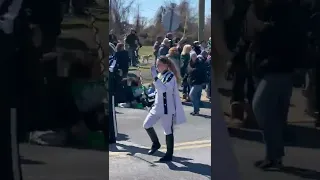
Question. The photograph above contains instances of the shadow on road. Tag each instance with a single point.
(118, 112)
(122, 137)
(205, 105)
(197, 168)
(30, 162)
(298, 136)
(302, 173)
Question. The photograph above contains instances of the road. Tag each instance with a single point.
(192, 149)
(301, 162)
(128, 160)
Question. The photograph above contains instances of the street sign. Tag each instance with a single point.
(171, 21)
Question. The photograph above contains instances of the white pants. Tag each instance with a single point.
(166, 122)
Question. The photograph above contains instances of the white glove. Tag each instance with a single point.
(154, 72)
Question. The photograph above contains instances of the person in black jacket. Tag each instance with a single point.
(279, 47)
(132, 40)
(241, 79)
(123, 59)
(196, 79)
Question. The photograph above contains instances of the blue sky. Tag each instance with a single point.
(148, 8)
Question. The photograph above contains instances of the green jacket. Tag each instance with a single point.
(185, 61)
(176, 60)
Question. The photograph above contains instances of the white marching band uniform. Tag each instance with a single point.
(112, 68)
(167, 106)
(112, 63)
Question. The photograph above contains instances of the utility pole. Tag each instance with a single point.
(201, 20)
(171, 18)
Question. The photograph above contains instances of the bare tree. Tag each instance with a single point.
(188, 23)
(119, 14)
(137, 21)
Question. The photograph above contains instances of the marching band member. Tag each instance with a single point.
(167, 107)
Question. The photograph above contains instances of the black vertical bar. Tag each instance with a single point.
(111, 115)
(9, 152)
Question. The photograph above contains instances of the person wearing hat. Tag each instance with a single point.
(170, 37)
(196, 47)
(133, 42)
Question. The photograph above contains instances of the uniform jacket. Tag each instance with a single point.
(167, 100)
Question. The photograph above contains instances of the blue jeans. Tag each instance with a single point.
(132, 55)
(195, 97)
(271, 103)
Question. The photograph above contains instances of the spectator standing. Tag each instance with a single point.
(133, 42)
(174, 56)
(170, 38)
(196, 79)
(196, 47)
(185, 58)
(164, 47)
(123, 59)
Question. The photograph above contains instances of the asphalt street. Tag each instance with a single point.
(128, 159)
(302, 152)
(192, 148)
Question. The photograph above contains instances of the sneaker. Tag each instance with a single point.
(124, 105)
(268, 164)
(194, 113)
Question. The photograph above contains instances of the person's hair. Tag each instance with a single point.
(172, 51)
(165, 41)
(119, 47)
(171, 65)
(186, 49)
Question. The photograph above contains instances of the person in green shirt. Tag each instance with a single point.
(185, 58)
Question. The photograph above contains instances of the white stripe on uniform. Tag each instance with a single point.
(112, 63)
